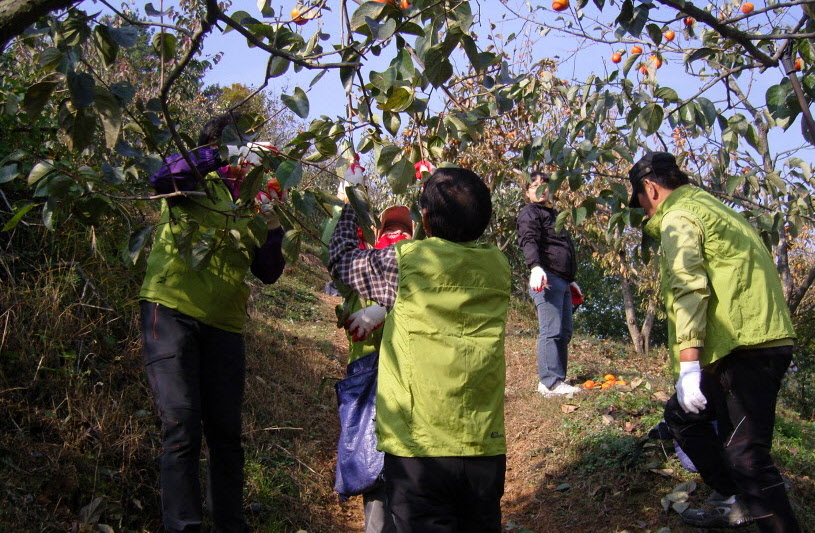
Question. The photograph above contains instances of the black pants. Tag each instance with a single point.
(196, 373)
(741, 392)
(445, 494)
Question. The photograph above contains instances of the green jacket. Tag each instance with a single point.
(441, 364)
(720, 285)
(214, 291)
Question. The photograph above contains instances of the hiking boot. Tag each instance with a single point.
(718, 511)
(559, 389)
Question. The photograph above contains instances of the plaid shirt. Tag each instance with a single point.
(373, 274)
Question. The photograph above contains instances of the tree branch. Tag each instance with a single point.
(17, 15)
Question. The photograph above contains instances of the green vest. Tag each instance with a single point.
(214, 291)
(746, 307)
(441, 364)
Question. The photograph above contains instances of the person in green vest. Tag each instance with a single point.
(193, 310)
(731, 339)
(440, 395)
(364, 329)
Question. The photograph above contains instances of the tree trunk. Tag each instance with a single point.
(648, 325)
(631, 316)
(17, 15)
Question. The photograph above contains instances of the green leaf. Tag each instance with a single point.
(135, 246)
(399, 100)
(9, 172)
(383, 80)
(165, 45)
(359, 203)
(111, 175)
(123, 90)
(291, 246)
(151, 11)
(391, 122)
(108, 48)
(368, 10)
(699, 53)
(58, 185)
(650, 118)
(265, 8)
(289, 173)
(667, 94)
(326, 146)
(110, 113)
(438, 68)
(74, 31)
(38, 95)
(734, 181)
(40, 170)
(52, 59)
(384, 31)
(78, 125)
(202, 249)
(401, 175)
(18, 215)
(655, 33)
(81, 86)
(298, 102)
(278, 66)
(384, 160)
(125, 36)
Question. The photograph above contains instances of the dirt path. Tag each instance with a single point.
(576, 464)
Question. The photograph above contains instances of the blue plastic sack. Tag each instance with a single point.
(359, 464)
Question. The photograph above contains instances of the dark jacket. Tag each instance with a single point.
(542, 245)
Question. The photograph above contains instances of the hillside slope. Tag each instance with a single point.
(79, 438)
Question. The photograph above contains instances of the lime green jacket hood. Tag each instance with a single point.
(442, 370)
(205, 283)
(720, 285)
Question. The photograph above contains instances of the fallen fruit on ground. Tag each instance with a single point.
(609, 377)
(588, 384)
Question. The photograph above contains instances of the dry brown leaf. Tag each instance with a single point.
(629, 426)
(667, 472)
(569, 408)
(661, 396)
(607, 419)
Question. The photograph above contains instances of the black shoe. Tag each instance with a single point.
(718, 512)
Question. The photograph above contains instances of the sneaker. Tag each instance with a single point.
(718, 511)
(558, 390)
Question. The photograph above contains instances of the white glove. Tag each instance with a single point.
(688, 390)
(266, 208)
(355, 173)
(537, 279)
(253, 153)
(364, 321)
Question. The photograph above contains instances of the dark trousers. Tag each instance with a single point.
(445, 494)
(741, 391)
(554, 306)
(196, 373)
